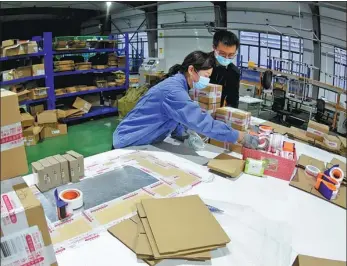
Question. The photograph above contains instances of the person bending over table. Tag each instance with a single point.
(167, 109)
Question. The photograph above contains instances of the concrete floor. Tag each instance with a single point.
(87, 138)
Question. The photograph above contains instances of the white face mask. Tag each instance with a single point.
(202, 83)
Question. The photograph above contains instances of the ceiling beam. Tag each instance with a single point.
(61, 12)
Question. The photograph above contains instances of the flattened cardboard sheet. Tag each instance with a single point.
(126, 232)
(227, 165)
(302, 260)
(307, 183)
(149, 242)
(184, 216)
(162, 190)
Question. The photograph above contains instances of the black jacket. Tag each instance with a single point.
(229, 78)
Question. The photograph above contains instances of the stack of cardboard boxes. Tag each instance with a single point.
(23, 72)
(58, 170)
(209, 98)
(51, 127)
(23, 221)
(16, 47)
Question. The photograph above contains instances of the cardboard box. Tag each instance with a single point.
(209, 108)
(44, 176)
(80, 160)
(32, 47)
(12, 50)
(64, 168)
(10, 42)
(227, 165)
(276, 127)
(56, 170)
(211, 94)
(23, 72)
(51, 132)
(38, 69)
(316, 131)
(302, 260)
(73, 168)
(27, 120)
(299, 134)
(332, 142)
(237, 147)
(32, 135)
(13, 156)
(82, 105)
(30, 224)
(8, 75)
(23, 95)
(237, 119)
(38, 93)
(36, 109)
(48, 116)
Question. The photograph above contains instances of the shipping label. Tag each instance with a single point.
(11, 136)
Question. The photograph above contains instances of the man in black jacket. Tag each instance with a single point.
(225, 46)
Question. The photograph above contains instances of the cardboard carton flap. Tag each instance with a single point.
(302, 260)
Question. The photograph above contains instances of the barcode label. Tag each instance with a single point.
(23, 248)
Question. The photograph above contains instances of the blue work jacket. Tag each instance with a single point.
(167, 108)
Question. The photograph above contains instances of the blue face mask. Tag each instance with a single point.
(201, 84)
(222, 60)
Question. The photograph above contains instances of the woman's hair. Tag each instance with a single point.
(198, 59)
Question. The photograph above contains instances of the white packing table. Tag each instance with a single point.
(317, 228)
(251, 101)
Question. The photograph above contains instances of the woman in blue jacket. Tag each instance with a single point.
(167, 109)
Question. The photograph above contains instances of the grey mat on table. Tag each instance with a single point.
(100, 189)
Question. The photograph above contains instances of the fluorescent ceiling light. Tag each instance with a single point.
(108, 4)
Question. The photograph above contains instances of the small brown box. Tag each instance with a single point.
(80, 160)
(38, 69)
(53, 130)
(73, 168)
(64, 168)
(56, 170)
(27, 120)
(23, 72)
(36, 109)
(44, 176)
(49, 116)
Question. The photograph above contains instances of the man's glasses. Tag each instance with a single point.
(228, 56)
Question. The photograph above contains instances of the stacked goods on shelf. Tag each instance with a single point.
(65, 65)
(83, 66)
(72, 44)
(12, 144)
(17, 47)
(38, 93)
(20, 72)
(38, 69)
(51, 127)
(101, 83)
(150, 241)
(100, 66)
(209, 98)
(237, 119)
(60, 91)
(71, 89)
(121, 61)
(112, 60)
(120, 78)
(25, 226)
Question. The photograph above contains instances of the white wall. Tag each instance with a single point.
(331, 29)
(175, 44)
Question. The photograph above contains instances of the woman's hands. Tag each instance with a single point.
(248, 140)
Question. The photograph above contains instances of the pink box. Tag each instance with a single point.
(278, 166)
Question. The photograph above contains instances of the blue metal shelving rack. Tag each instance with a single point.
(49, 76)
